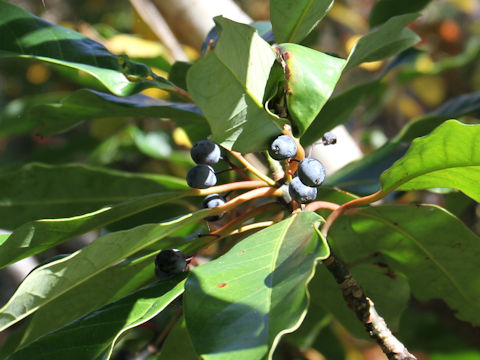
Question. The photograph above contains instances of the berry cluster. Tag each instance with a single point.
(205, 153)
(311, 172)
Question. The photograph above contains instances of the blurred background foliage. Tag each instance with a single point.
(444, 65)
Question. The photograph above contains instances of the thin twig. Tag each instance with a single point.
(252, 168)
(364, 309)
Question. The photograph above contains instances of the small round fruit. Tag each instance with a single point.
(300, 192)
(169, 263)
(213, 201)
(205, 152)
(329, 138)
(283, 147)
(201, 177)
(311, 172)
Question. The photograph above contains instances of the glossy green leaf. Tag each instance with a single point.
(386, 9)
(86, 104)
(93, 335)
(36, 236)
(337, 110)
(50, 281)
(310, 77)
(389, 291)
(293, 20)
(388, 39)
(228, 85)
(107, 286)
(239, 305)
(435, 251)
(23, 35)
(448, 157)
(39, 191)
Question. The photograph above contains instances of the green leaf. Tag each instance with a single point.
(293, 20)
(389, 291)
(310, 77)
(435, 251)
(386, 9)
(337, 110)
(228, 85)
(50, 281)
(448, 157)
(107, 286)
(384, 41)
(178, 344)
(36, 236)
(23, 35)
(458, 106)
(93, 335)
(238, 306)
(362, 176)
(84, 105)
(39, 191)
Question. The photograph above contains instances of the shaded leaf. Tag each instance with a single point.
(435, 251)
(293, 20)
(386, 9)
(390, 293)
(337, 110)
(93, 335)
(178, 344)
(458, 106)
(39, 191)
(107, 286)
(448, 157)
(24, 35)
(241, 303)
(388, 39)
(36, 236)
(84, 105)
(310, 77)
(228, 85)
(48, 282)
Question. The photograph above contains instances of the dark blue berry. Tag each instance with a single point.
(213, 201)
(300, 192)
(311, 172)
(283, 147)
(201, 177)
(205, 152)
(169, 263)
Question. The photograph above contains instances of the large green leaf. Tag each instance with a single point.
(431, 247)
(389, 291)
(238, 306)
(178, 344)
(292, 20)
(54, 279)
(39, 191)
(385, 9)
(36, 236)
(310, 77)
(23, 35)
(107, 286)
(87, 104)
(93, 335)
(448, 157)
(337, 110)
(388, 39)
(228, 85)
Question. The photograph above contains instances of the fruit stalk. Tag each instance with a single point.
(364, 309)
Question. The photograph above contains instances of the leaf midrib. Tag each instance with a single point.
(300, 20)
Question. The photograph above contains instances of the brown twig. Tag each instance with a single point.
(365, 310)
